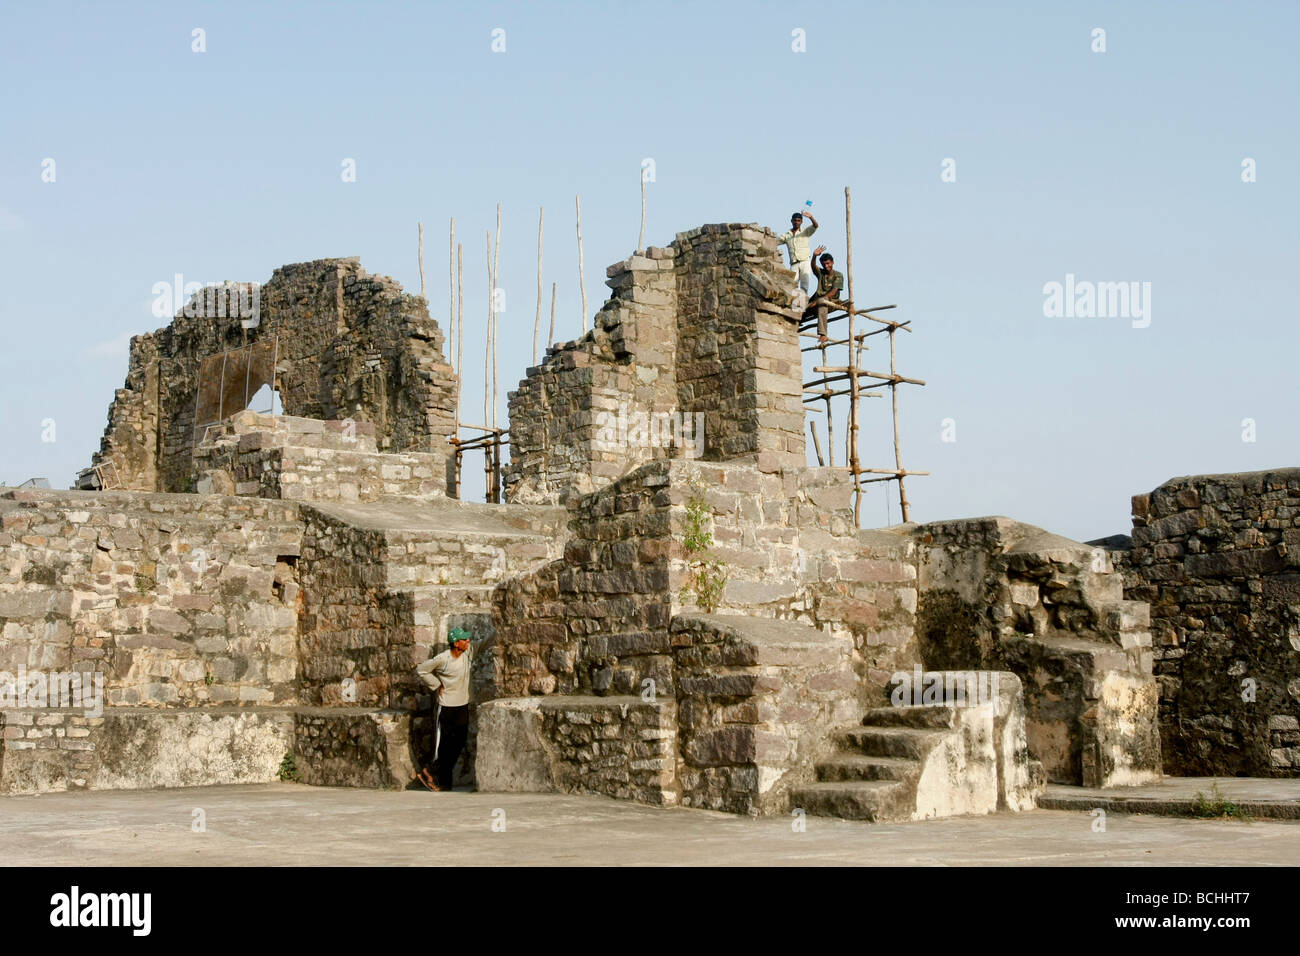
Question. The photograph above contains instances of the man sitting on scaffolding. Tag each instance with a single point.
(830, 290)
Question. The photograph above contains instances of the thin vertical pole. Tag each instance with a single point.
(898, 448)
(460, 348)
(550, 336)
(640, 242)
(582, 282)
(496, 467)
(420, 255)
(854, 465)
(487, 345)
(537, 322)
(453, 297)
(817, 444)
(496, 259)
(826, 393)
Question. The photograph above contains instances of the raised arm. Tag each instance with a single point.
(813, 219)
(816, 267)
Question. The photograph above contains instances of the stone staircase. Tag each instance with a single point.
(875, 770)
(925, 761)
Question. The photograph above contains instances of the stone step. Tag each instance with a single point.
(878, 801)
(938, 716)
(910, 742)
(847, 766)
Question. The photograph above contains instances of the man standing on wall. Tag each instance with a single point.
(797, 245)
(447, 675)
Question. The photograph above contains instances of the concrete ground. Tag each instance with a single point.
(291, 824)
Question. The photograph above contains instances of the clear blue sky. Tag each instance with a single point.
(1114, 166)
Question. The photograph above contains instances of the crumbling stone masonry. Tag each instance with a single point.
(1003, 595)
(184, 605)
(1218, 559)
(699, 326)
(280, 609)
(350, 346)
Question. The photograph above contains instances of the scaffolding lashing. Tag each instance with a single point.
(489, 441)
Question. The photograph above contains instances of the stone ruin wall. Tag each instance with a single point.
(1218, 559)
(815, 617)
(860, 605)
(698, 326)
(351, 345)
(179, 602)
(996, 594)
(304, 459)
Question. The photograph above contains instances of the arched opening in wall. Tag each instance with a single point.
(234, 380)
(266, 400)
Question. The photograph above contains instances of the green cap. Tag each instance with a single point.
(457, 634)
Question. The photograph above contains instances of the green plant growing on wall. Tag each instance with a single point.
(288, 768)
(707, 578)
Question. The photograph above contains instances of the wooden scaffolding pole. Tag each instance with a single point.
(550, 336)
(852, 380)
(582, 282)
(487, 343)
(460, 348)
(898, 448)
(420, 255)
(451, 298)
(854, 465)
(537, 321)
(827, 395)
(496, 279)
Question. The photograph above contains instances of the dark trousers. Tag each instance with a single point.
(453, 730)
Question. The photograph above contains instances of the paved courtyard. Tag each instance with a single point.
(290, 824)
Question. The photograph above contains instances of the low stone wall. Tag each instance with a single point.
(353, 747)
(129, 748)
(1218, 558)
(755, 700)
(616, 746)
(305, 460)
(170, 603)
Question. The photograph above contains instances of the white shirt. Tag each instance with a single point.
(797, 243)
(451, 673)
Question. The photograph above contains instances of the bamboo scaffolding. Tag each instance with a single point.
(537, 322)
(852, 380)
(582, 282)
(451, 295)
(817, 444)
(420, 255)
(496, 280)
(550, 336)
(640, 240)
(487, 347)
(854, 465)
(460, 346)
